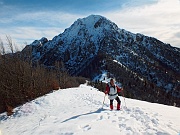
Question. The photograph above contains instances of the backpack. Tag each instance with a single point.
(112, 90)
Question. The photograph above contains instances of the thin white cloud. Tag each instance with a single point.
(20, 35)
(50, 24)
(46, 17)
(161, 20)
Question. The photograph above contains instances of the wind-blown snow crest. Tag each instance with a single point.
(78, 111)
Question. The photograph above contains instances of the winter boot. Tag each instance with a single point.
(118, 106)
(111, 107)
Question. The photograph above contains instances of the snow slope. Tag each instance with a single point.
(78, 111)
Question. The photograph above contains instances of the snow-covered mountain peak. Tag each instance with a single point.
(93, 26)
(94, 39)
(94, 21)
(90, 20)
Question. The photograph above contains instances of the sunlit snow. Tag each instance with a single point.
(78, 111)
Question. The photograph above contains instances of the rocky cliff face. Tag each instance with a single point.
(83, 42)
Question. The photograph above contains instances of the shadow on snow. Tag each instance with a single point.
(75, 117)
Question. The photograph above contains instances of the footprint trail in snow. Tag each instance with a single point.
(78, 111)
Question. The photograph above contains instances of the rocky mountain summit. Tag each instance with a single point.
(147, 68)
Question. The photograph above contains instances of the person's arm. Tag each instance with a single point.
(107, 89)
(119, 89)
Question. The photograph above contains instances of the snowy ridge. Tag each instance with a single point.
(77, 111)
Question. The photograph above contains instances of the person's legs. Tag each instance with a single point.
(118, 103)
(111, 104)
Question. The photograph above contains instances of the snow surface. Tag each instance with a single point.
(78, 111)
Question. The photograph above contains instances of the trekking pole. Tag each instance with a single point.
(104, 100)
(125, 102)
(124, 98)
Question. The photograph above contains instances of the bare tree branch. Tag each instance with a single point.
(10, 43)
(2, 49)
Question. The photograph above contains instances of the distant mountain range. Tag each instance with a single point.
(147, 68)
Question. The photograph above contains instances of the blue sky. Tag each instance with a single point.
(26, 21)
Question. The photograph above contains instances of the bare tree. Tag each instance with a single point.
(2, 49)
(20, 81)
(10, 43)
